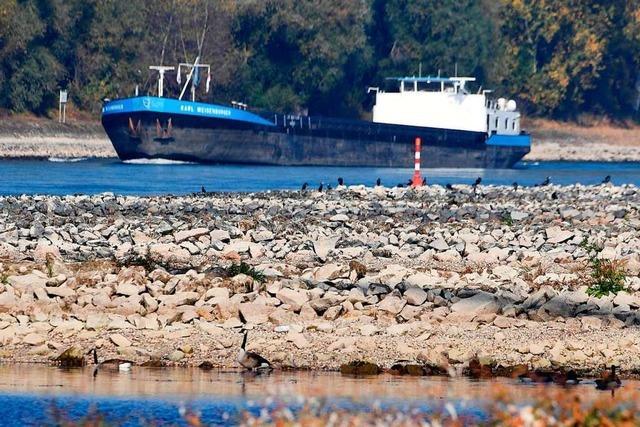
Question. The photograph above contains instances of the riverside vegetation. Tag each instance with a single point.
(557, 58)
(431, 275)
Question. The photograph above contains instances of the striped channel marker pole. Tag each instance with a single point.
(416, 181)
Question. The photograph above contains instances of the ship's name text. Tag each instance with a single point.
(205, 110)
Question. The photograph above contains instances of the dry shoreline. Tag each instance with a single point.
(433, 275)
(43, 139)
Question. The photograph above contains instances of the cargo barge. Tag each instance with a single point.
(458, 129)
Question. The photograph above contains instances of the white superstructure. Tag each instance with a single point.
(445, 103)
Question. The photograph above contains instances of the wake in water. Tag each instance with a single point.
(67, 159)
(156, 162)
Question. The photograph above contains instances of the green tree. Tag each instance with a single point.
(298, 54)
(553, 52)
(109, 61)
(440, 34)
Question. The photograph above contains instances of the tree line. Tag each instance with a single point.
(557, 58)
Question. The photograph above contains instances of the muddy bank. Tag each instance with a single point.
(598, 142)
(36, 138)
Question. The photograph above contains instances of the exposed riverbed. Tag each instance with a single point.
(434, 275)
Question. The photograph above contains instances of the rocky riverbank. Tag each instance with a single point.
(432, 275)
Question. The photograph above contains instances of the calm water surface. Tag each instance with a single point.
(33, 394)
(147, 178)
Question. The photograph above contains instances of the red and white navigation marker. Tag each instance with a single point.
(416, 181)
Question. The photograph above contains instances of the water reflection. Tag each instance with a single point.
(186, 382)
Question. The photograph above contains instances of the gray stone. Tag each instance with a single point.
(129, 289)
(120, 340)
(415, 296)
(480, 303)
(294, 298)
(60, 291)
(392, 304)
(181, 236)
(255, 313)
(439, 245)
(323, 247)
(557, 235)
(34, 339)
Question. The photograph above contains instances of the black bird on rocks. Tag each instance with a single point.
(340, 181)
(448, 186)
(321, 187)
(478, 181)
(546, 182)
(250, 360)
(378, 182)
(607, 179)
(202, 189)
(515, 186)
(409, 182)
(424, 181)
(304, 186)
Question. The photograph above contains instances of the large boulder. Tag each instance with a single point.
(181, 236)
(292, 297)
(169, 253)
(322, 247)
(392, 304)
(255, 313)
(478, 304)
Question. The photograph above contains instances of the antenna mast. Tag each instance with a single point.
(161, 70)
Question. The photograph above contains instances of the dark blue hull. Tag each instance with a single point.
(180, 130)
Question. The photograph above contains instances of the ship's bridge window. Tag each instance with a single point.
(496, 123)
(506, 124)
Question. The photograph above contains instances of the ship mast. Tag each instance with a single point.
(161, 70)
(193, 77)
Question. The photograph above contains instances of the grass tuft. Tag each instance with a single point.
(244, 268)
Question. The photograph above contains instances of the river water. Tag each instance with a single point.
(37, 395)
(92, 176)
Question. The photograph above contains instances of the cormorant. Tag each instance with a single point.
(448, 186)
(340, 181)
(321, 187)
(304, 186)
(607, 179)
(378, 182)
(478, 181)
(424, 181)
(252, 361)
(546, 181)
(202, 189)
(515, 186)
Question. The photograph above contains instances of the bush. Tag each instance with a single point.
(607, 276)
